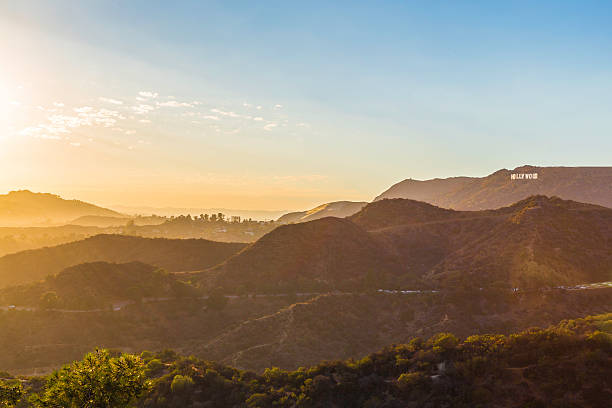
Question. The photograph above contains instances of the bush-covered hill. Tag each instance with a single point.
(542, 242)
(170, 254)
(254, 333)
(566, 365)
(539, 241)
(316, 255)
(96, 285)
(343, 326)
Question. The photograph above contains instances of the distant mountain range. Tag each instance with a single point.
(174, 255)
(391, 243)
(25, 208)
(584, 184)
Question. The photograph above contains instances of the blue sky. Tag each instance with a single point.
(349, 97)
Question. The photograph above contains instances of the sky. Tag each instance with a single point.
(286, 105)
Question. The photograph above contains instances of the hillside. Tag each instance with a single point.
(338, 209)
(332, 327)
(393, 212)
(567, 365)
(329, 253)
(542, 242)
(170, 254)
(96, 285)
(584, 184)
(261, 332)
(538, 241)
(23, 208)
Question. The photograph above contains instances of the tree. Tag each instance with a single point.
(181, 383)
(10, 394)
(98, 381)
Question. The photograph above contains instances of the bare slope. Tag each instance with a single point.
(338, 209)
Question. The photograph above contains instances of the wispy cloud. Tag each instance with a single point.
(142, 109)
(111, 100)
(225, 113)
(175, 104)
(148, 94)
(58, 124)
(270, 126)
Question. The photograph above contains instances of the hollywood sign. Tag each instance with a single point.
(524, 176)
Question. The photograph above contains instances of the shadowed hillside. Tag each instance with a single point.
(542, 242)
(96, 285)
(170, 254)
(27, 208)
(338, 209)
(538, 241)
(332, 327)
(585, 184)
(322, 254)
(393, 212)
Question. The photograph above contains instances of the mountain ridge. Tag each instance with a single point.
(23, 208)
(175, 255)
(338, 209)
(584, 184)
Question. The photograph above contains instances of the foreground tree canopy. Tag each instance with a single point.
(568, 365)
(98, 381)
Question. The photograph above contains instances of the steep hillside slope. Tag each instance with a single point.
(27, 208)
(323, 254)
(338, 209)
(584, 184)
(170, 254)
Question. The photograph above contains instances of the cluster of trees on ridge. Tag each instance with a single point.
(567, 365)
